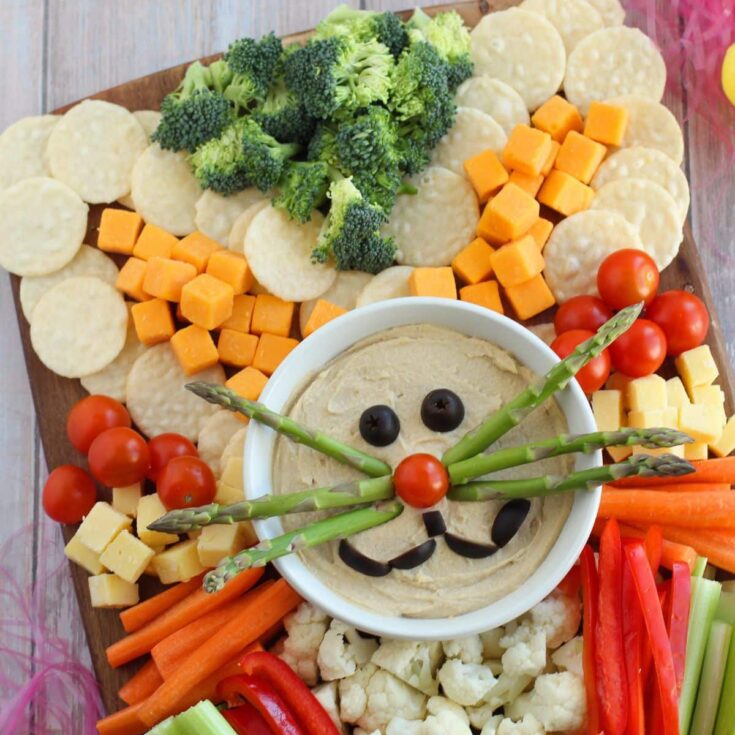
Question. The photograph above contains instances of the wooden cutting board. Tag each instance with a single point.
(53, 396)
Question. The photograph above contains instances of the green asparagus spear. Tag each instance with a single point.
(335, 527)
(513, 412)
(483, 464)
(323, 498)
(644, 465)
(284, 425)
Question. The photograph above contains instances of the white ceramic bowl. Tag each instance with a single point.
(331, 340)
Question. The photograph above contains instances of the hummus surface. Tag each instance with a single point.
(398, 367)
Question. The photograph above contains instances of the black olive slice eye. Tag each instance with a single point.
(434, 523)
(509, 521)
(469, 549)
(379, 425)
(414, 557)
(360, 563)
(442, 410)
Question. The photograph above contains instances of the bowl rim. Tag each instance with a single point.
(331, 340)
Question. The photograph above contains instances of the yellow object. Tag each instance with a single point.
(607, 407)
(486, 174)
(486, 229)
(206, 301)
(677, 451)
(508, 215)
(77, 552)
(527, 150)
(272, 315)
(154, 242)
(100, 527)
(473, 263)
(517, 262)
(564, 194)
(697, 367)
(194, 349)
(248, 383)
(150, 508)
(236, 348)
(232, 268)
(125, 499)
(242, 313)
(130, 279)
(540, 231)
(580, 156)
(232, 473)
(196, 249)
(228, 494)
(725, 443)
(433, 282)
(708, 394)
(557, 117)
(647, 393)
(529, 184)
(218, 541)
(652, 418)
(551, 160)
(676, 394)
(164, 278)
(485, 294)
(606, 123)
(323, 312)
(728, 74)
(618, 454)
(153, 321)
(127, 556)
(530, 298)
(699, 450)
(109, 591)
(271, 351)
(702, 423)
(179, 563)
(118, 231)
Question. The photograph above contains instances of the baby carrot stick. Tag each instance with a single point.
(141, 614)
(717, 545)
(124, 722)
(142, 684)
(721, 469)
(677, 487)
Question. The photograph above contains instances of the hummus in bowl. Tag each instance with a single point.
(395, 353)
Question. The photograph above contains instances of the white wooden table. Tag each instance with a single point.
(56, 51)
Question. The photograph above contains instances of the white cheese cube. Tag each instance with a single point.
(702, 423)
(677, 451)
(696, 450)
(618, 454)
(227, 494)
(607, 406)
(645, 394)
(676, 395)
(219, 541)
(127, 556)
(697, 367)
(653, 418)
(618, 381)
(232, 473)
(125, 499)
(178, 563)
(196, 533)
(108, 590)
(101, 526)
(711, 395)
(150, 508)
(725, 443)
(80, 554)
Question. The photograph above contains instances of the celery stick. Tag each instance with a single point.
(710, 683)
(726, 714)
(699, 566)
(705, 597)
(726, 607)
(204, 719)
(167, 727)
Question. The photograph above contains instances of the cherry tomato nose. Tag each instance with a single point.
(421, 480)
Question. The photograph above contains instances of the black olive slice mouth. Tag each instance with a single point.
(414, 557)
(442, 410)
(379, 425)
(434, 523)
(356, 560)
(509, 521)
(469, 549)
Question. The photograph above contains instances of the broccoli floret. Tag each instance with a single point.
(219, 164)
(302, 188)
(339, 75)
(195, 112)
(365, 25)
(323, 145)
(351, 232)
(264, 157)
(253, 65)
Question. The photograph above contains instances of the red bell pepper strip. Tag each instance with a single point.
(246, 720)
(654, 543)
(632, 634)
(305, 707)
(588, 573)
(273, 710)
(659, 641)
(612, 684)
(571, 584)
(678, 618)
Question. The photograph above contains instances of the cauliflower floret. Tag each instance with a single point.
(491, 725)
(352, 694)
(559, 615)
(480, 714)
(465, 684)
(557, 702)
(445, 723)
(526, 654)
(437, 705)
(468, 650)
(414, 662)
(327, 696)
(306, 627)
(342, 650)
(507, 689)
(569, 657)
(491, 647)
(389, 697)
(529, 725)
(402, 726)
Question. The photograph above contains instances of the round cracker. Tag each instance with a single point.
(216, 433)
(216, 214)
(164, 190)
(43, 226)
(157, 399)
(79, 326)
(649, 208)
(392, 283)
(93, 149)
(279, 250)
(473, 132)
(235, 447)
(574, 19)
(522, 49)
(640, 162)
(236, 236)
(545, 332)
(494, 98)
(614, 62)
(88, 261)
(612, 12)
(343, 292)
(148, 120)
(432, 226)
(23, 149)
(653, 125)
(577, 246)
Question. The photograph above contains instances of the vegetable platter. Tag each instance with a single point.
(54, 396)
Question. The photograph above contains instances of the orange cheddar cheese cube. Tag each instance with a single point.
(248, 383)
(529, 184)
(517, 262)
(437, 282)
(195, 249)
(206, 301)
(485, 294)
(557, 117)
(154, 242)
(527, 150)
(486, 229)
(232, 268)
(130, 279)
(510, 213)
(540, 231)
(606, 123)
(272, 315)
(242, 313)
(565, 194)
(236, 348)
(486, 174)
(551, 160)
(580, 156)
(271, 351)
(530, 298)
(324, 311)
(153, 321)
(164, 278)
(119, 230)
(473, 263)
(194, 349)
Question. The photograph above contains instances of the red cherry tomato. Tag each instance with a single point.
(594, 374)
(164, 448)
(626, 277)
(119, 457)
(69, 494)
(581, 312)
(640, 351)
(186, 482)
(91, 416)
(421, 480)
(683, 318)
